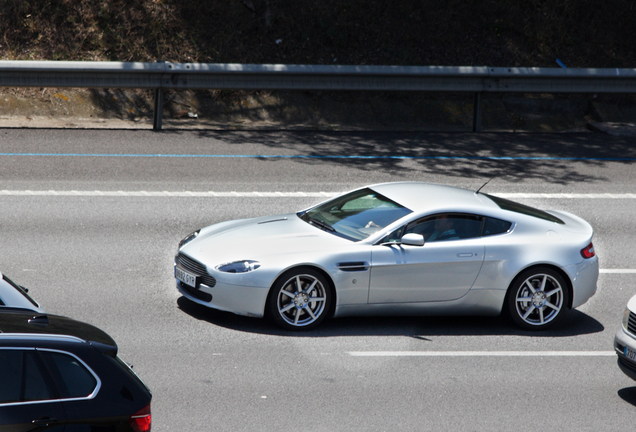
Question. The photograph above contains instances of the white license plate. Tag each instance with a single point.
(630, 354)
(185, 277)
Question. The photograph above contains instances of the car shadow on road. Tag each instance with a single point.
(575, 323)
(554, 158)
(628, 394)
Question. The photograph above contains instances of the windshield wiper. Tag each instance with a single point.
(316, 222)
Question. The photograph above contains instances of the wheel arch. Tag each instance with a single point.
(557, 269)
(331, 285)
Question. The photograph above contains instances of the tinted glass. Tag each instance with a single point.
(447, 227)
(441, 228)
(496, 226)
(356, 215)
(21, 379)
(35, 387)
(524, 209)
(10, 373)
(74, 380)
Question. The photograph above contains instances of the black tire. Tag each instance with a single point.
(300, 299)
(537, 298)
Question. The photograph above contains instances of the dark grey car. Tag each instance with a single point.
(58, 374)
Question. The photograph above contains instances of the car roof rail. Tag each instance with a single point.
(40, 336)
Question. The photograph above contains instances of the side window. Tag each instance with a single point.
(21, 377)
(10, 375)
(71, 376)
(444, 227)
(496, 226)
(394, 237)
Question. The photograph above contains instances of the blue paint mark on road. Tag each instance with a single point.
(353, 157)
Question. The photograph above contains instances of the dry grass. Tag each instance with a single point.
(582, 33)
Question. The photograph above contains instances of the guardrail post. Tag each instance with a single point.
(477, 113)
(156, 124)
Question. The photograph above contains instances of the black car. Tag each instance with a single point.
(58, 374)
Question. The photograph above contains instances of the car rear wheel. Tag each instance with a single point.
(300, 299)
(537, 298)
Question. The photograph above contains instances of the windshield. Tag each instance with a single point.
(356, 215)
(20, 289)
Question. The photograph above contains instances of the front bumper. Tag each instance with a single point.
(247, 301)
(621, 341)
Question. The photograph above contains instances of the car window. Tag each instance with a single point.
(441, 227)
(447, 227)
(20, 290)
(494, 226)
(516, 207)
(73, 379)
(20, 377)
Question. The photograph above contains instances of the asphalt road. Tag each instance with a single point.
(90, 221)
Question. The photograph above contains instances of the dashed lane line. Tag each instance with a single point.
(481, 353)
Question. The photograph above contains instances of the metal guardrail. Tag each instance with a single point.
(165, 75)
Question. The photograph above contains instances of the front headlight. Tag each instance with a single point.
(188, 239)
(625, 318)
(238, 266)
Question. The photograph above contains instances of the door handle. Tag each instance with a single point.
(44, 421)
(465, 255)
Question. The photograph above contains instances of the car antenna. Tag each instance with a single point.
(482, 186)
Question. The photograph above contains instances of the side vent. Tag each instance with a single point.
(355, 266)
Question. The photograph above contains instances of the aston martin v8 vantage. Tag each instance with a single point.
(406, 248)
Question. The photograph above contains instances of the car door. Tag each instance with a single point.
(27, 397)
(443, 269)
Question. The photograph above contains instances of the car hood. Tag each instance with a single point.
(261, 239)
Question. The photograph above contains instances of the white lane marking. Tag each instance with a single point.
(277, 194)
(618, 271)
(566, 196)
(481, 353)
(177, 194)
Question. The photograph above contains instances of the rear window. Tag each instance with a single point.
(505, 204)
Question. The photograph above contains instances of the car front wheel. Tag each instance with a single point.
(537, 298)
(300, 299)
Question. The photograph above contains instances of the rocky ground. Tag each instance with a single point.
(107, 108)
(534, 33)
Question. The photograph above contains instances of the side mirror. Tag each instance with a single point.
(413, 239)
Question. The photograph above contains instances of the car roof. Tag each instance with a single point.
(430, 197)
(45, 327)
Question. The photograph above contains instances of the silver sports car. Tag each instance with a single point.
(406, 248)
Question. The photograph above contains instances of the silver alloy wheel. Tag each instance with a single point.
(301, 300)
(539, 299)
